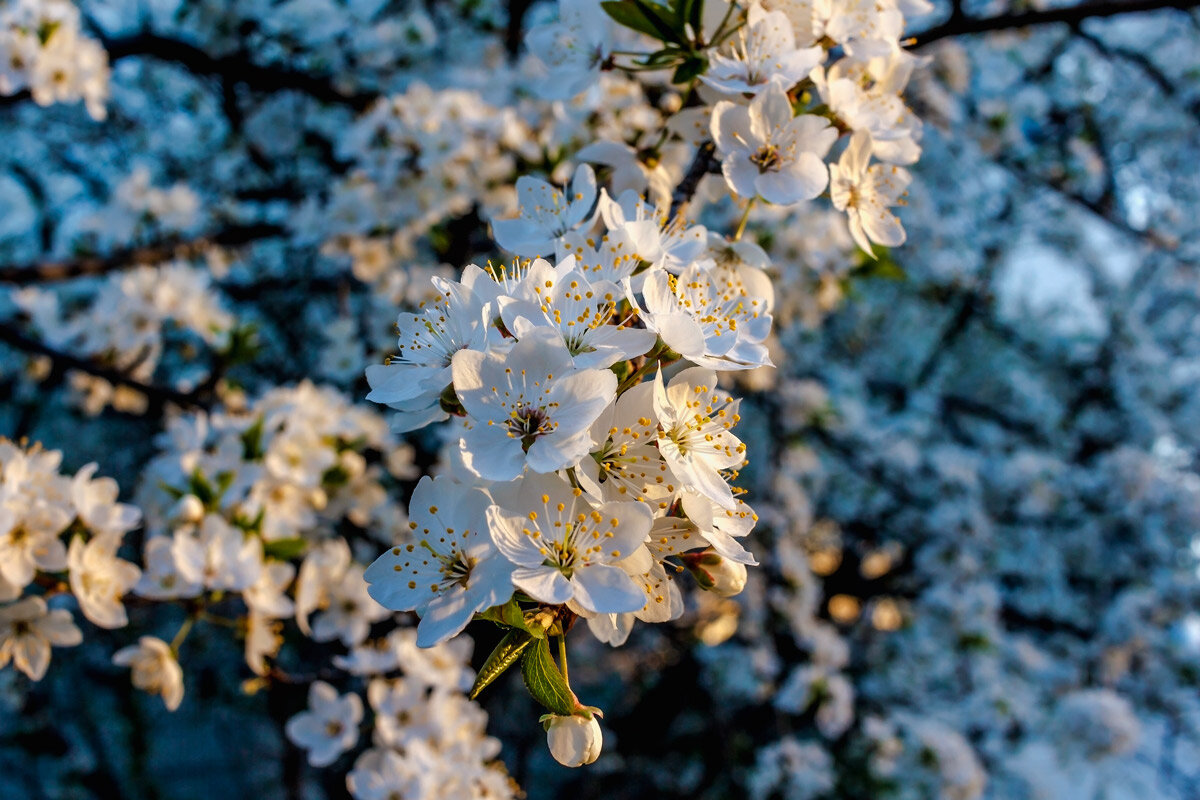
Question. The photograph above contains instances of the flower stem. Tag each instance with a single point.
(184, 630)
(562, 657)
(741, 228)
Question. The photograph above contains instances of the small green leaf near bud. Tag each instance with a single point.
(502, 657)
(545, 683)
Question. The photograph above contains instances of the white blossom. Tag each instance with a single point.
(330, 725)
(155, 669)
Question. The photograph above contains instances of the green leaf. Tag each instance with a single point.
(644, 18)
(657, 15)
(199, 486)
(252, 441)
(883, 266)
(544, 682)
(695, 15)
(503, 657)
(285, 549)
(689, 70)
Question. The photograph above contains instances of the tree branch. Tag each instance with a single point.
(237, 68)
(963, 25)
(53, 271)
(705, 162)
(10, 335)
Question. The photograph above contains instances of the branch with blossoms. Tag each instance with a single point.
(596, 457)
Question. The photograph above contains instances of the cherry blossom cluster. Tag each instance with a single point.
(59, 536)
(586, 478)
(43, 50)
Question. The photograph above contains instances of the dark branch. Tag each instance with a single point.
(963, 25)
(49, 272)
(236, 68)
(704, 163)
(158, 394)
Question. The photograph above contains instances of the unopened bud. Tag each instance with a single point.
(716, 573)
(189, 508)
(574, 741)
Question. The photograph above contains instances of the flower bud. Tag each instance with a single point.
(189, 508)
(716, 573)
(574, 741)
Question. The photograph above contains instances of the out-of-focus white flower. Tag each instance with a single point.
(27, 630)
(330, 725)
(573, 48)
(155, 669)
(99, 579)
(350, 611)
(218, 556)
(866, 193)
(765, 52)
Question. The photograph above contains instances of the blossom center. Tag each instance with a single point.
(767, 159)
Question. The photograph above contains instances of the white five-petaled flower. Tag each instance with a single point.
(663, 599)
(866, 193)
(451, 570)
(413, 380)
(581, 310)
(27, 630)
(330, 725)
(546, 213)
(96, 504)
(573, 48)
(767, 152)
(99, 579)
(764, 53)
(865, 94)
(530, 406)
(566, 546)
(714, 316)
(613, 257)
(155, 669)
(350, 612)
(695, 437)
(218, 556)
(626, 464)
(665, 242)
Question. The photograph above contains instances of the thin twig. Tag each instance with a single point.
(964, 25)
(53, 271)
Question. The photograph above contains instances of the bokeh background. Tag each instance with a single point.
(976, 464)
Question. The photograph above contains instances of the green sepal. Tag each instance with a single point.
(510, 615)
(545, 683)
(502, 657)
(285, 549)
(689, 70)
(252, 441)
